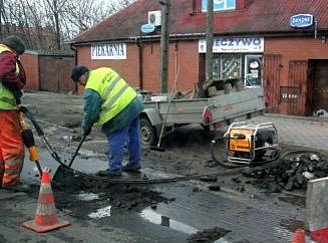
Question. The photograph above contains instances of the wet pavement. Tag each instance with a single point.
(191, 208)
(307, 132)
(248, 216)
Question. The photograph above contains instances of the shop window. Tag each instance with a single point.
(231, 66)
(216, 68)
(227, 66)
(220, 5)
(253, 70)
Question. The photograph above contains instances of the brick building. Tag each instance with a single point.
(278, 44)
(49, 71)
(46, 69)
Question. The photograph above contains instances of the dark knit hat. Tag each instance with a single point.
(77, 71)
(15, 43)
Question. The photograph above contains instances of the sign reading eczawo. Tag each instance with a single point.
(234, 45)
(108, 51)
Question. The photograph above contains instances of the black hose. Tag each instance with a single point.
(40, 132)
(29, 115)
(231, 171)
(147, 181)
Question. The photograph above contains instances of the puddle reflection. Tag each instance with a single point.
(101, 213)
(156, 218)
(87, 196)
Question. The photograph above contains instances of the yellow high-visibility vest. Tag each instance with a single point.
(115, 93)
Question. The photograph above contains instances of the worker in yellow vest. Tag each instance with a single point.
(114, 105)
(12, 80)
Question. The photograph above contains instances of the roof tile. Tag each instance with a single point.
(259, 17)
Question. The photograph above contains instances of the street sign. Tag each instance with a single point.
(301, 20)
(148, 28)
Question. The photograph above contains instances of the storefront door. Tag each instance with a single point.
(271, 81)
(320, 88)
(295, 93)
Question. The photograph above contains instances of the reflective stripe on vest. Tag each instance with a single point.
(115, 93)
(7, 98)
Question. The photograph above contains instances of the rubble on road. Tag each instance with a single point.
(291, 172)
(208, 235)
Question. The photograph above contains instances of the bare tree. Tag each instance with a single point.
(49, 24)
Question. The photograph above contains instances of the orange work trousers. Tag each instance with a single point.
(12, 150)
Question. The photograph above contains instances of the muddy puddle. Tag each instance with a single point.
(293, 199)
(291, 224)
(86, 197)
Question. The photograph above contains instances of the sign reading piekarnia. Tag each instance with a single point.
(108, 51)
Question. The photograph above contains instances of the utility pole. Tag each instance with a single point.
(164, 46)
(1, 8)
(209, 41)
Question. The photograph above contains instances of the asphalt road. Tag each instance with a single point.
(185, 208)
(250, 215)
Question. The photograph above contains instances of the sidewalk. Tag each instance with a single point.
(307, 132)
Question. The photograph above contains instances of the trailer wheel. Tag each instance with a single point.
(147, 132)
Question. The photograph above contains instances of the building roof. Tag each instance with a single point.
(256, 17)
(50, 53)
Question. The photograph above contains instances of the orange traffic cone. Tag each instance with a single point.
(299, 236)
(46, 218)
(320, 236)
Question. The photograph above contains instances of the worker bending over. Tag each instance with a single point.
(111, 103)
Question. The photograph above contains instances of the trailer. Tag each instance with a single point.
(164, 113)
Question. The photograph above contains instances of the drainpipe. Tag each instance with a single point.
(193, 10)
(139, 43)
(75, 63)
(75, 56)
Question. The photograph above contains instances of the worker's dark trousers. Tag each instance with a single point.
(11, 148)
(129, 136)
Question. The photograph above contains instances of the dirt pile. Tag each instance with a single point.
(291, 172)
(80, 196)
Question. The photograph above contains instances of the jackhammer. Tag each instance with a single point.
(29, 140)
(40, 132)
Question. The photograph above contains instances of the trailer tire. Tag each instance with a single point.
(147, 132)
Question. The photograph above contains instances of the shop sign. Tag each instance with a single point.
(234, 45)
(148, 28)
(301, 20)
(108, 51)
(219, 5)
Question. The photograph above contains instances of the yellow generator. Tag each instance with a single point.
(252, 143)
